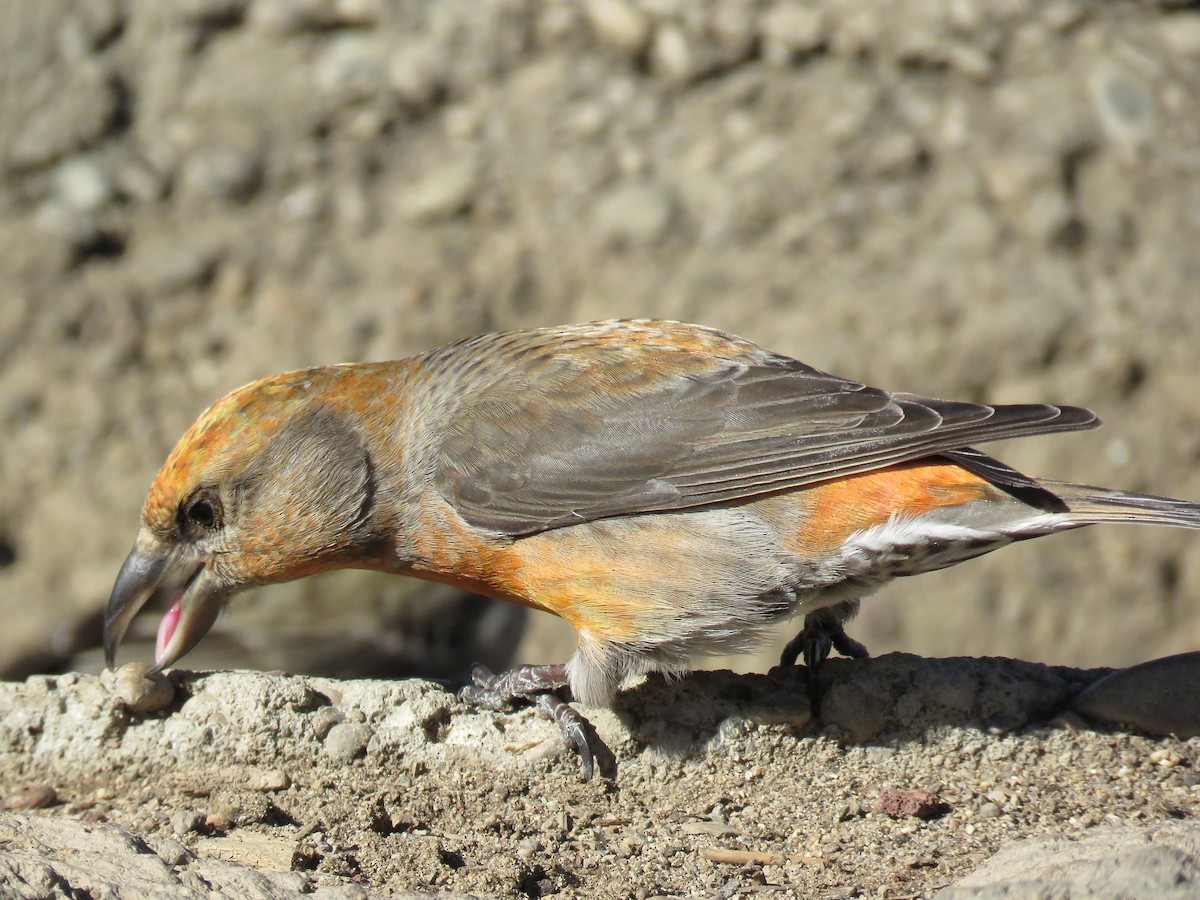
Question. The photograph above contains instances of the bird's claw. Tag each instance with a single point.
(848, 646)
(823, 632)
(539, 685)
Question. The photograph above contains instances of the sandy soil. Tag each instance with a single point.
(725, 786)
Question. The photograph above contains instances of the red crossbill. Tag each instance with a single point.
(669, 490)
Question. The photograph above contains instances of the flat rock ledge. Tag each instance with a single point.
(974, 777)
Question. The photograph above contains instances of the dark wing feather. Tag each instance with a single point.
(560, 426)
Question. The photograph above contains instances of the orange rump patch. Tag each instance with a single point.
(837, 509)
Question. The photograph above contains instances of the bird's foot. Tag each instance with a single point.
(823, 632)
(539, 685)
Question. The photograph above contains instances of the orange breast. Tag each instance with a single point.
(612, 577)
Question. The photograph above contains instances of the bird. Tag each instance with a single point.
(670, 490)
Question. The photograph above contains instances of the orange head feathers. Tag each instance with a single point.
(271, 483)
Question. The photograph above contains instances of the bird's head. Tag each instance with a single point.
(271, 483)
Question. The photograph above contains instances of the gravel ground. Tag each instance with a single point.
(726, 786)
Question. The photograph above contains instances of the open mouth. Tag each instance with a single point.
(170, 619)
(197, 595)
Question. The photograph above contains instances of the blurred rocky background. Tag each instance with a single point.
(993, 200)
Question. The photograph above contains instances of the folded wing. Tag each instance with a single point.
(563, 426)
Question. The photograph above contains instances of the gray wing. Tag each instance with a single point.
(557, 427)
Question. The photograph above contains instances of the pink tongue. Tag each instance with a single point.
(166, 628)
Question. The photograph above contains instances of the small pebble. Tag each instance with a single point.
(351, 66)
(619, 25)
(417, 72)
(269, 780)
(442, 193)
(37, 796)
(324, 719)
(222, 173)
(791, 29)
(169, 851)
(347, 741)
(1181, 33)
(910, 803)
(671, 53)
(1125, 105)
(1166, 758)
(634, 215)
(81, 184)
(218, 823)
(140, 692)
(185, 821)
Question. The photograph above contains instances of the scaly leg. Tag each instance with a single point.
(538, 685)
(824, 630)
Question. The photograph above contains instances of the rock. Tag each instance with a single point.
(304, 204)
(347, 741)
(227, 173)
(897, 154)
(174, 268)
(903, 692)
(283, 17)
(324, 719)
(671, 54)
(904, 804)
(351, 66)
(186, 821)
(237, 805)
(140, 692)
(733, 25)
(213, 13)
(1138, 861)
(855, 709)
(442, 193)
(82, 184)
(38, 796)
(138, 180)
(1046, 214)
(633, 214)
(74, 118)
(789, 30)
(417, 72)
(619, 25)
(1125, 105)
(971, 61)
(100, 860)
(1161, 696)
(269, 780)
(1181, 33)
(99, 21)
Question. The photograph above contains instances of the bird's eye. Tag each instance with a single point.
(203, 512)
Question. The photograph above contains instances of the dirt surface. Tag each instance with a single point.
(993, 201)
(725, 786)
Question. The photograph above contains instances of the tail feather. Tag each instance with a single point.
(1090, 505)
